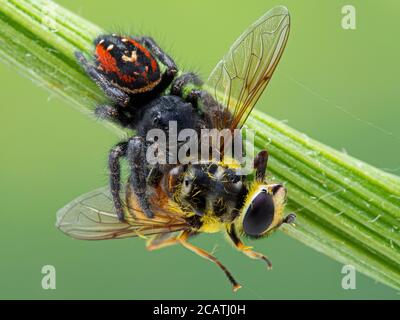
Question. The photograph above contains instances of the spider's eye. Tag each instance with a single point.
(259, 215)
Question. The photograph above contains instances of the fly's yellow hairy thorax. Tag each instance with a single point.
(230, 162)
(211, 224)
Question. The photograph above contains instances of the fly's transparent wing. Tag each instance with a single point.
(241, 76)
(92, 217)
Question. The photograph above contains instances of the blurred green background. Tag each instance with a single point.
(338, 86)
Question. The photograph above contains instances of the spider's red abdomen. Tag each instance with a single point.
(127, 63)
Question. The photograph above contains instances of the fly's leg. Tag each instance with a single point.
(114, 93)
(202, 253)
(115, 176)
(156, 243)
(246, 249)
(136, 155)
(113, 114)
(162, 240)
(260, 164)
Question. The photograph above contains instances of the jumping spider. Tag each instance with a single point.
(130, 72)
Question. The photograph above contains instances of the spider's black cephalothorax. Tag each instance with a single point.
(135, 73)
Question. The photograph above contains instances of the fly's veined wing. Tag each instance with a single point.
(240, 77)
(92, 217)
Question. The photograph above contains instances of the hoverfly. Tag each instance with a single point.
(204, 197)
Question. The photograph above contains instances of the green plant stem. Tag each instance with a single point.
(346, 208)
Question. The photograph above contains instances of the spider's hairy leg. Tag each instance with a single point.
(149, 42)
(115, 94)
(116, 153)
(114, 114)
(136, 155)
(189, 78)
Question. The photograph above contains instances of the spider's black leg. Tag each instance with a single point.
(172, 69)
(136, 155)
(114, 114)
(189, 78)
(114, 93)
(116, 153)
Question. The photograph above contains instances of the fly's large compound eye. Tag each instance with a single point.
(259, 215)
